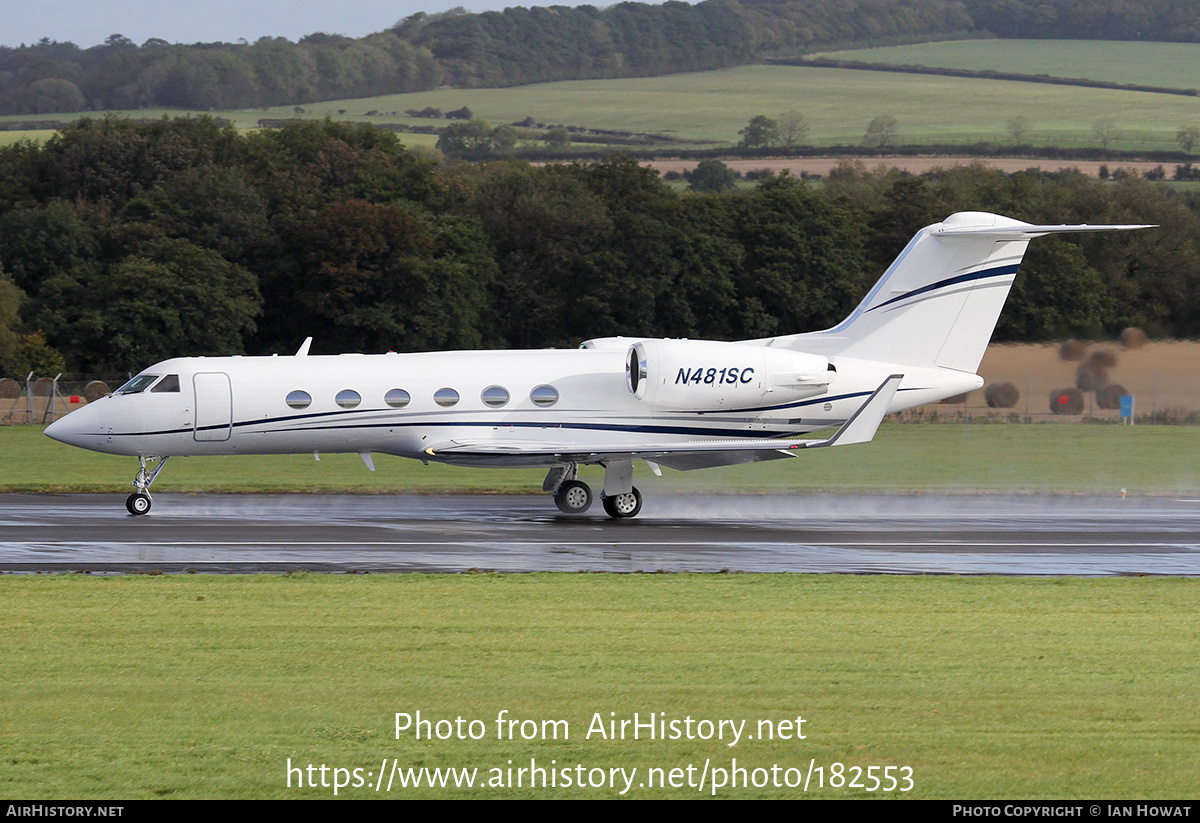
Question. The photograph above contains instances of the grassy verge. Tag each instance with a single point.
(1047, 458)
(986, 687)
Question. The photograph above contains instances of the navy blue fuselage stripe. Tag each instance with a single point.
(999, 271)
(525, 424)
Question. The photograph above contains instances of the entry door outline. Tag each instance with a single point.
(214, 406)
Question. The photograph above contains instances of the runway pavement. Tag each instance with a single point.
(858, 534)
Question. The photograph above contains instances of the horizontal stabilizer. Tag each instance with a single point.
(863, 424)
(1026, 230)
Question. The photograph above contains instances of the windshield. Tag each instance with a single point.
(137, 384)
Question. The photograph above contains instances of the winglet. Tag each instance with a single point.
(863, 424)
(303, 350)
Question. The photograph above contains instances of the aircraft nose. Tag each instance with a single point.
(79, 428)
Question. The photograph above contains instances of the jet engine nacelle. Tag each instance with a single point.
(708, 375)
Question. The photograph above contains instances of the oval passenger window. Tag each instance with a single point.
(298, 399)
(494, 396)
(544, 395)
(347, 398)
(445, 397)
(397, 398)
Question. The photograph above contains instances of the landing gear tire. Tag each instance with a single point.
(138, 503)
(573, 497)
(620, 506)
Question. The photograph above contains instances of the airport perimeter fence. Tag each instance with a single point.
(1155, 383)
(41, 399)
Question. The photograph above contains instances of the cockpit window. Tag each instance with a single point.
(170, 383)
(137, 384)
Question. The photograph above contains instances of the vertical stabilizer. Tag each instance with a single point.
(938, 303)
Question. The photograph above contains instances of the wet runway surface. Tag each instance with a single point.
(859, 534)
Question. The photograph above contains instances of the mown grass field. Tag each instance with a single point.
(1171, 65)
(838, 105)
(7, 138)
(205, 686)
(903, 458)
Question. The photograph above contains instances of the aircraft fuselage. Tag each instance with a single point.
(403, 404)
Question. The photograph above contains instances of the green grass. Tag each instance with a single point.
(714, 106)
(180, 686)
(1045, 458)
(838, 105)
(1170, 65)
(7, 138)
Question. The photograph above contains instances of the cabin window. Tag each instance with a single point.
(347, 398)
(299, 399)
(170, 383)
(137, 384)
(494, 396)
(544, 396)
(397, 398)
(445, 397)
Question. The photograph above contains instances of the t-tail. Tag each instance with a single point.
(938, 303)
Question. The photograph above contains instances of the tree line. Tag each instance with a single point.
(119, 74)
(124, 243)
(529, 45)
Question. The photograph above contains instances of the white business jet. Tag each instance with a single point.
(916, 338)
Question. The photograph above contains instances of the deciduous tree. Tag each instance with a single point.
(1187, 137)
(712, 176)
(1019, 128)
(883, 132)
(793, 129)
(1106, 131)
(760, 132)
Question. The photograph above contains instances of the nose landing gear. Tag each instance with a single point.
(139, 502)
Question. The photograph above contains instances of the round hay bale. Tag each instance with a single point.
(1066, 401)
(1103, 357)
(95, 390)
(1133, 338)
(1090, 376)
(1109, 397)
(9, 388)
(43, 387)
(1072, 350)
(1001, 395)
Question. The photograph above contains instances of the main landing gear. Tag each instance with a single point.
(573, 496)
(624, 505)
(139, 502)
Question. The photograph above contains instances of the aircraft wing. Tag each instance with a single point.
(690, 454)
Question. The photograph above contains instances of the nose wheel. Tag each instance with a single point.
(139, 502)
